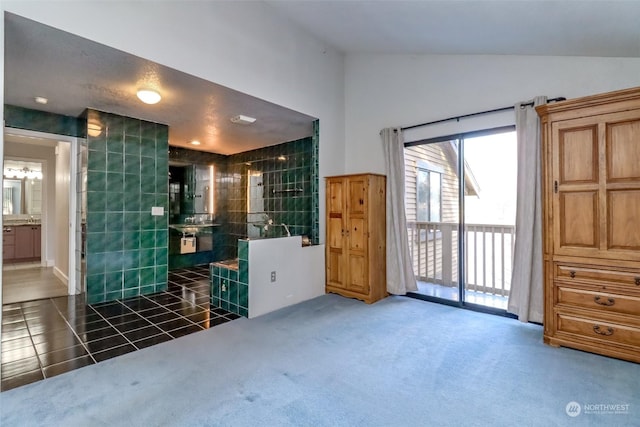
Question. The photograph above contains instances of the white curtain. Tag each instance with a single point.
(400, 278)
(526, 295)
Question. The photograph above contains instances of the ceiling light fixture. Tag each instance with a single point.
(94, 129)
(149, 96)
(41, 100)
(242, 120)
(195, 142)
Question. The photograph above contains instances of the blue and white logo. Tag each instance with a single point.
(573, 409)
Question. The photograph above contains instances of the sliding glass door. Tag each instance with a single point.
(460, 203)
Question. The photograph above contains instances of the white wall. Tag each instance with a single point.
(401, 90)
(242, 45)
(62, 184)
(39, 152)
(299, 273)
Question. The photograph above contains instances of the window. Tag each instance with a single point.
(428, 195)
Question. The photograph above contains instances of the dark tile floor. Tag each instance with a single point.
(47, 337)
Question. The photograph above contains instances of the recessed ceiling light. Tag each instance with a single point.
(195, 142)
(243, 120)
(149, 96)
(41, 100)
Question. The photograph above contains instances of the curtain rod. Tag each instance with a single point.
(497, 110)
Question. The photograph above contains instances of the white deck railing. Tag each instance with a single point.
(488, 255)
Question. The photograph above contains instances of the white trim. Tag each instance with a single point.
(60, 275)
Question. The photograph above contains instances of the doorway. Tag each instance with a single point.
(460, 199)
(39, 216)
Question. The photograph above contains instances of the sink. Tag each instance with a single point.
(190, 228)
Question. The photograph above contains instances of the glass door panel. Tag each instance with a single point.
(489, 217)
(433, 211)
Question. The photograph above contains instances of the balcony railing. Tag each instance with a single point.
(488, 255)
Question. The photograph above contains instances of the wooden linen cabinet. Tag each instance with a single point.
(355, 241)
(591, 223)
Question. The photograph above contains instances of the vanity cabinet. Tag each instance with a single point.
(356, 240)
(591, 223)
(21, 243)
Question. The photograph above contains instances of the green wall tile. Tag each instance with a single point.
(125, 243)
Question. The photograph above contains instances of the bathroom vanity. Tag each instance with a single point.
(21, 242)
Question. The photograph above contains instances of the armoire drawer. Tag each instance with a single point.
(602, 275)
(597, 329)
(605, 302)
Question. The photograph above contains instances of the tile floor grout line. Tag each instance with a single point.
(75, 333)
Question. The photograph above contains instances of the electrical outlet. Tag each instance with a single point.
(224, 286)
(273, 276)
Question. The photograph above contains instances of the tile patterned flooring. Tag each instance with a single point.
(47, 337)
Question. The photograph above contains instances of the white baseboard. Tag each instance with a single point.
(49, 263)
(60, 275)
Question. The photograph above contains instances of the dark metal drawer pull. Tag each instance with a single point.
(572, 274)
(609, 302)
(637, 281)
(609, 331)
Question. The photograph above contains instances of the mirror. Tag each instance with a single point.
(255, 203)
(22, 188)
(191, 189)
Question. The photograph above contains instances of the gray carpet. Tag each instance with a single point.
(334, 361)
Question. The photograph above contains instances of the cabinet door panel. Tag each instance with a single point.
(335, 197)
(578, 155)
(623, 151)
(24, 242)
(358, 281)
(357, 234)
(357, 203)
(623, 207)
(577, 223)
(335, 231)
(335, 275)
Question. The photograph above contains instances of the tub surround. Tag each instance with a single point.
(270, 274)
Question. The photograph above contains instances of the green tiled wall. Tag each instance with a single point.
(127, 173)
(230, 287)
(41, 121)
(299, 210)
(286, 166)
(315, 183)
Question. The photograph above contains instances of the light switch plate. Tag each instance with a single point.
(157, 210)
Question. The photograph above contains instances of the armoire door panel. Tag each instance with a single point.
(578, 219)
(357, 234)
(335, 232)
(357, 196)
(578, 155)
(623, 207)
(335, 276)
(336, 201)
(357, 273)
(623, 151)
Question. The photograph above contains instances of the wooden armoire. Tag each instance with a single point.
(355, 243)
(591, 222)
